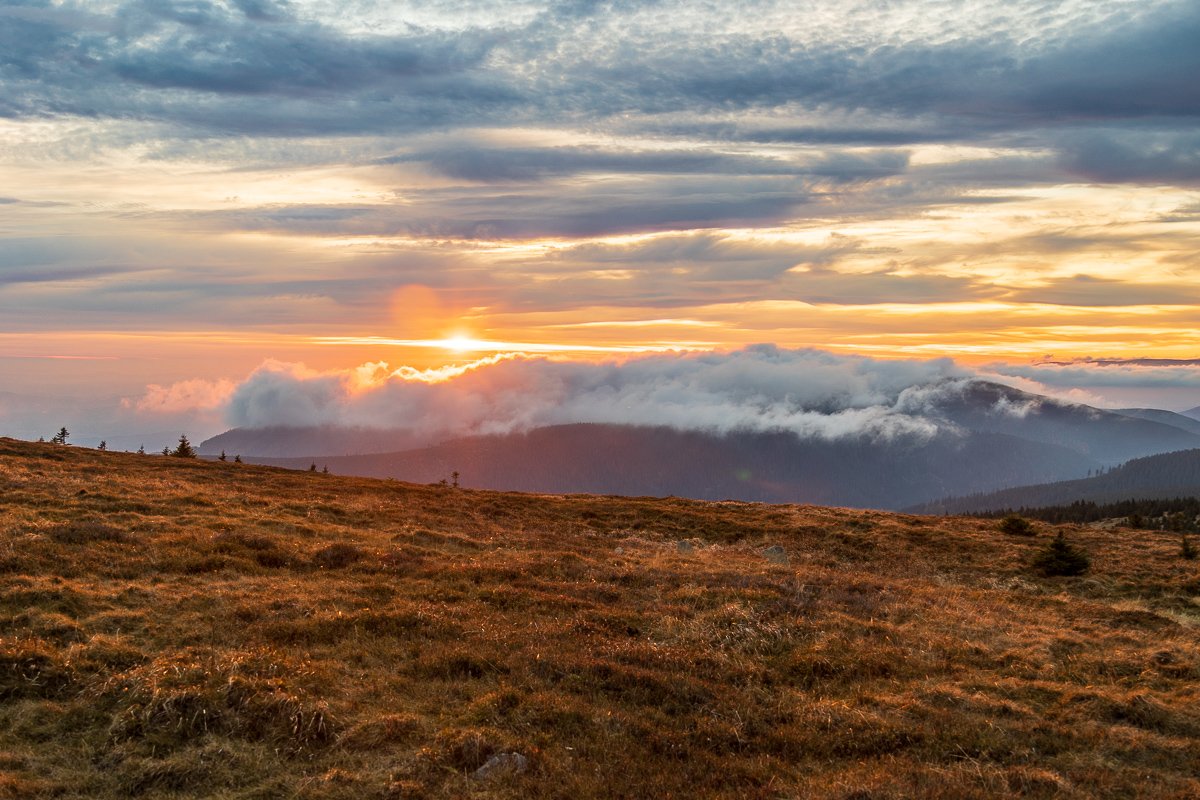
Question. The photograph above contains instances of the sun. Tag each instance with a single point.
(460, 343)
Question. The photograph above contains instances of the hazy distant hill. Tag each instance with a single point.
(768, 467)
(1162, 476)
(282, 441)
(1105, 436)
(1165, 417)
(991, 437)
(1193, 413)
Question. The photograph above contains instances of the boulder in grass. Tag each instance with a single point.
(502, 763)
(776, 554)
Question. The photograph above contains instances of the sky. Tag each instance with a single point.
(197, 194)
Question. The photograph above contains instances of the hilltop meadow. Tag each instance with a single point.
(177, 628)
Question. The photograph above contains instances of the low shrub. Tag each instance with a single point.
(1060, 557)
(83, 532)
(1014, 525)
(337, 556)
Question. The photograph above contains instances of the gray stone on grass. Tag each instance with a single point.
(776, 554)
(502, 762)
(685, 547)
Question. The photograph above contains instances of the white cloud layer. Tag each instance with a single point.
(759, 388)
(812, 393)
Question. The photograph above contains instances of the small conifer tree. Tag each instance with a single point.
(61, 436)
(325, 470)
(103, 445)
(222, 456)
(454, 479)
(184, 449)
(312, 467)
(166, 451)
(141, 450)
(237, 459)
(1060, 557)
(1187, 550)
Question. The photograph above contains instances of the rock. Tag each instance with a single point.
(619, 551)
(776, 554)
(685, 547)
(502, 762)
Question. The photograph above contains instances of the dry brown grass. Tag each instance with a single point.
(183, 629)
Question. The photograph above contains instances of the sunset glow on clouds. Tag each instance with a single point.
(188, 189)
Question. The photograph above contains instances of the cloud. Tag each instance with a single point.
(466, 161)
(204, 65)
(760, 388)
(1110, 373)
(1172, 158)
(620, 206)
(190, 395)
(1090, 291)
(200, 65)
(763, 388)
(468, 124)
(705, 256)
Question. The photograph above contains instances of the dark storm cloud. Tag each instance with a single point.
(489, 164)
(11, 277)
(550, 213)
(263, 10)
(699, 268)
(578, 63)
(1145, 68)
(1135, 158)
(466, 162)
(708, 256)
(827, 286)
(886, 132)
(198, 63)
(296, 61)
(1088, 290)
(964, 88)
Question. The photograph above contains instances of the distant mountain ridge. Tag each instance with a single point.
(988, 437)
(290, 441)
(1108, 437)
(1164, 476)
(1180, 421)
(761, 467)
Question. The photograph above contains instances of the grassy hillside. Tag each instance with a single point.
(172, 628)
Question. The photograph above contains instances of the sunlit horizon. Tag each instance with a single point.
(407, 185)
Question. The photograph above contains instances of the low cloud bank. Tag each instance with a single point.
(1100, 373)
(811, 393)
(759, 388)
